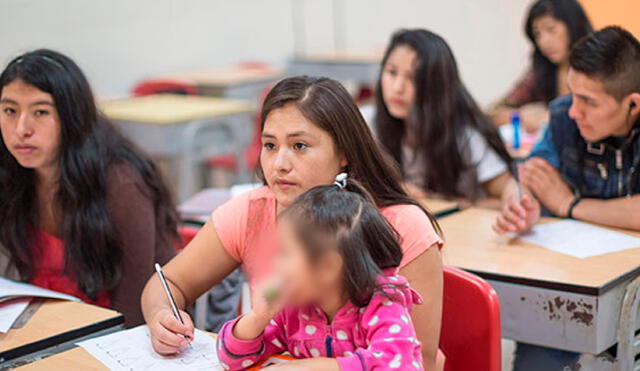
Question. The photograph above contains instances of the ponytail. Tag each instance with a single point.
(346, 213)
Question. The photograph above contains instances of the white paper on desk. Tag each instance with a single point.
(10, 311)
(130, 350)
(11, 289)
(579, 239)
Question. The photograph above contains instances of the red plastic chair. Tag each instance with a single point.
(470, 336)
(149, 87)
(252, 153)
(186, 235)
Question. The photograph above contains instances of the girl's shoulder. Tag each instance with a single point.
(408, 219)
(406, 212)
(242, 202)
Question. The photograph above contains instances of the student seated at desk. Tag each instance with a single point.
(552, 27)
(587, 165)
(311, 131)
(83, 212)
(430, 124)
(338, 302)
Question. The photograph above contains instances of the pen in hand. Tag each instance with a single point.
(172, 302)
(516, 177)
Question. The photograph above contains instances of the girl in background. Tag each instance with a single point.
(552, 27)
(429, 123)
(345, 307)
(82, 212)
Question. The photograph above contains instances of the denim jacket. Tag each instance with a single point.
(604, 169)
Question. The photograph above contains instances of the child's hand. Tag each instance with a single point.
(270, 300)
(266, 306)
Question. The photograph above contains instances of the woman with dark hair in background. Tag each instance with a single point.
(311, 131)
(81, 211)
(430, 124)
(552, 26)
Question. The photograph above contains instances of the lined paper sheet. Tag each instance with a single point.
(130, 350)
(10, 311)
(578, 239)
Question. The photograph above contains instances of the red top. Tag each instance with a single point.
(49, 272)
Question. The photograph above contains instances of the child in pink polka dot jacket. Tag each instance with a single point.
(340, 304)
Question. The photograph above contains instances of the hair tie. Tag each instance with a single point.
(341, 180)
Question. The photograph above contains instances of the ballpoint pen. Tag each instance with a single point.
(172, 301)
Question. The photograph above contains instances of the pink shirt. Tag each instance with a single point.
(379, 336)
(246, 226)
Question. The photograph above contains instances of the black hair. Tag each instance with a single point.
(611, 55)
(573, 16)
(327, 104)
(365, 240)
(89, 147)
(442, 113)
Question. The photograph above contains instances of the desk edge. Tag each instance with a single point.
(61, 338)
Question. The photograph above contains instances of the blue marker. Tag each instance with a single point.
(515, 123)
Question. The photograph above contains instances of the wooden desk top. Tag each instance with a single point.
(224, 77)
(73, 359)
(56, 322)
(166, 109)
(471, 244)
(341, 57)
(439, 207)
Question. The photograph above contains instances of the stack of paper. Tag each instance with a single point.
(15, 297)
(10, 310)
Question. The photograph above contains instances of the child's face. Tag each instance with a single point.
(306, 281)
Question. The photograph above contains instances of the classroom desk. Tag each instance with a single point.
(53, 328)
(185, 130)
(360, 67)
(236, 83)
(546, 298)
(74, 359)
(440, 208)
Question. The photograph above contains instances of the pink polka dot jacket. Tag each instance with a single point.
(379, 336)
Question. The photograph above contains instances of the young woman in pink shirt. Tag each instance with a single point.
(337, 297)
(311, 131)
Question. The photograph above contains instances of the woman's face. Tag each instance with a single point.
(296, 154)
(30, 125)
(398, 87)
(552, 38)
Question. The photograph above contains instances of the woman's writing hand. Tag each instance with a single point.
(168, 335)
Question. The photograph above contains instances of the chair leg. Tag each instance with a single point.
(628, 342)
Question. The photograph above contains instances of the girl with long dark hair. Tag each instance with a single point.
(552, 27)
(430, 124)
(311, 131)
(81, 210)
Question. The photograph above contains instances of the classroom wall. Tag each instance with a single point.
(625, 13)
(119, 42)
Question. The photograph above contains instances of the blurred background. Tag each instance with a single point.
(122, 44)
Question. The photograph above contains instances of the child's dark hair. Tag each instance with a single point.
(365, 240)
